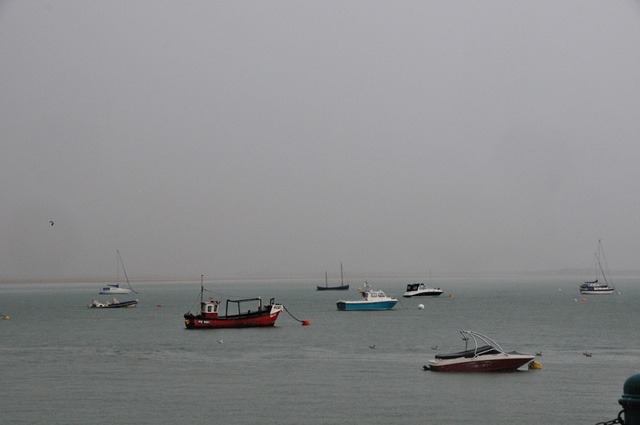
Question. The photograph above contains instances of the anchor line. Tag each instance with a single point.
(405, 307)
(285, 308)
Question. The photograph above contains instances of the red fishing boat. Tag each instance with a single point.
(210, 317)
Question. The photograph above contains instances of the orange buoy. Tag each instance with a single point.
(159, 305)
(306, 323)
(584, 299)
(451, 296)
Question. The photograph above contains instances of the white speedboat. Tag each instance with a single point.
(483, 355)
(420, 290)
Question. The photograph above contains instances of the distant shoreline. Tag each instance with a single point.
(569, 273)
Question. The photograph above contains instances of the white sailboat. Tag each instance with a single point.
(602, 284)
(115, 288)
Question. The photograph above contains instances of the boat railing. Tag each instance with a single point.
(272, 301)
(238, 302)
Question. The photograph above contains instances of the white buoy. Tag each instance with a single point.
(420, 306)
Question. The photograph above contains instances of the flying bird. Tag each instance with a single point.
(51, 222)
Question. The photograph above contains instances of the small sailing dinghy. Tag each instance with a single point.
(115, 288)
(326, 286)
(602, 284)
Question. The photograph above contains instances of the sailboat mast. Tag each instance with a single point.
(326, 280)
(124, 270)
(201, 289)
(341, 275)
(601, 252)
(117, 267)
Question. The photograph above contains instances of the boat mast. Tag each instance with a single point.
(326, 281)
(117, 267)
(201, 289)
(124, 270)
(597, 267)
(601, 250)
(341, 275)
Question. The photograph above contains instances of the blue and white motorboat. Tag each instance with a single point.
(371, 300)
(420, 290)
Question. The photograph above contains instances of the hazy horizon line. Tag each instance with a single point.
(315, 277)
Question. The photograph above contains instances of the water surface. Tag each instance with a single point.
(63, 363)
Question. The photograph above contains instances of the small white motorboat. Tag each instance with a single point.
(420, 290)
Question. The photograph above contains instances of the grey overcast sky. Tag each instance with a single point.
(250, 138)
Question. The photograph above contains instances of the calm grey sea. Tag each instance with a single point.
(63, 363)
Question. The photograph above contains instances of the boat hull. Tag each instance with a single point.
(251, 320)
(431, 293)
(607, 291)
(124, 304)
(333, 288)
(114, 291)
(360, 305)
(488, 363)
